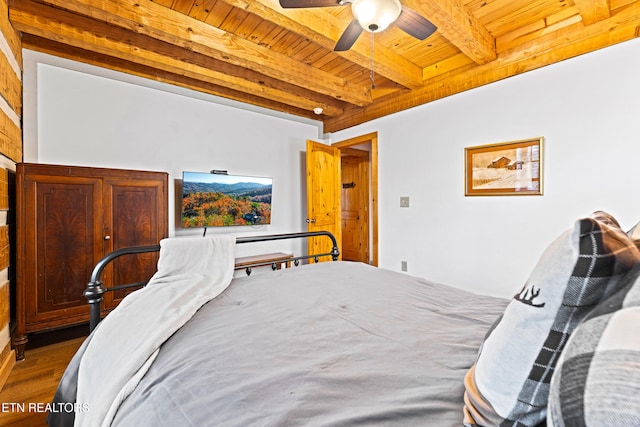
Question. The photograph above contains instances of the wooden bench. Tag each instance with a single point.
(275, 260)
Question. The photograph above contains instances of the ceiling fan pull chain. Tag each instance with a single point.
(373, 83)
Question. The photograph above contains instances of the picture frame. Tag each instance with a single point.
(513, 168)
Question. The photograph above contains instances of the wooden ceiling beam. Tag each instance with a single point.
(447, 65)
(325, 29)
(65, 51)
(81, 32)
(456, 23)
(593, 11)
(158, 22)
(565, 43)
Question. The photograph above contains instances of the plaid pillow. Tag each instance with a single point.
(634, 233)
(509, 383)
(596, 380)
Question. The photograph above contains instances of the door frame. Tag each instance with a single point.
(372, 139)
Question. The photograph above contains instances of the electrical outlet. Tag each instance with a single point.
(403, 265)
(404, 201)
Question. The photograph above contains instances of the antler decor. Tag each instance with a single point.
(527, 295)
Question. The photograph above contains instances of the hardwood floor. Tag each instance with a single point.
(33, 382)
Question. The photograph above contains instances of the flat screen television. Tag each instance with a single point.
(219, 200)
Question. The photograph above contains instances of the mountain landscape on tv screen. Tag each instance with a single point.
(238, 189)
(219, 204)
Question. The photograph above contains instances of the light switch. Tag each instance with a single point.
(404, 201)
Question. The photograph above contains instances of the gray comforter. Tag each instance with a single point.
(330, 344)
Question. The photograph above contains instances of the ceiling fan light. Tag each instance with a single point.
(376, 15)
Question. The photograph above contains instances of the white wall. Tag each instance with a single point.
(81, 115)
(586, 108)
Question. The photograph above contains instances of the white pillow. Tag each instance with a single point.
(509, 383)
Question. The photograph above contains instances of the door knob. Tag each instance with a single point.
(107, 237)
(311, 220)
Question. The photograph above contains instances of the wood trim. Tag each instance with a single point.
(5, 325)
(148, 72)
(373, 139)
(459, 26)
(4, 248)
(11, 85)
(549, 48)
(283, 59)
(4, 304)
(4, 189)
(593, 11)
(10, 138)
(159, 23)
(326, 30)
(7, 362)
(11, 148)
(9, 33)
(10, 88)
(10, 62)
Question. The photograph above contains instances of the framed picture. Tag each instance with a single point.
(504, 169)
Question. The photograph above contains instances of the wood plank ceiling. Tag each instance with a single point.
(256, 52)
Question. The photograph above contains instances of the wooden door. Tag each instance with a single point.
(369, 143)
(355, 205)
(135, 212)
(323, 195)
(60, 225)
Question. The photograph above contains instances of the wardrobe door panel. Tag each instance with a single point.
(137, 218)
(65, 215)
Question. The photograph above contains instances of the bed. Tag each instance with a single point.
(321, 344)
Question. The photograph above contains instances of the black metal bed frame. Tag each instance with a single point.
(96, 289)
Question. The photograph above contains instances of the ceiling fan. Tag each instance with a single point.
(373, 16)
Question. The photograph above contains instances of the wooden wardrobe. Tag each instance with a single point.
(69, 217)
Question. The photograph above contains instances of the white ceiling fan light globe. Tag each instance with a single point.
(376, 15)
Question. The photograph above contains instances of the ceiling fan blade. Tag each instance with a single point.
(297, 4)
(414, 24)
(349, 37)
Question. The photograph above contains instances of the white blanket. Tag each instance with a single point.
(191, 271)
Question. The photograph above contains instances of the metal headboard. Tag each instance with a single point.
(96, 289)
